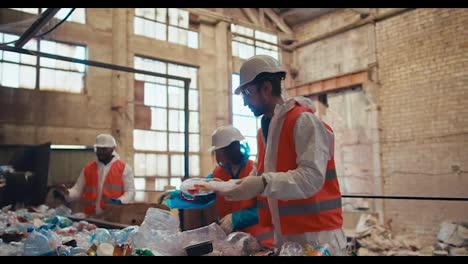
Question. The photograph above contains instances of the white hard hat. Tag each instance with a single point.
(223, 136)
(105, 141)
(256, 65)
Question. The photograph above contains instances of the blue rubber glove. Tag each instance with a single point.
(115, 201)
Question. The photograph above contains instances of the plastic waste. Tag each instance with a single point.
(160, 233)
(160, 242)
(143, 252)
(77, 250)
(321, 250)
(105, 249)
(37, 244)
(124, 235)
(101, 235)
(62, 210)
(195, 187)
(11, 249)
(177, 200)
(63, 251)
(92, 250)
(53, 238)
(211, 232)
(159, 219)
(83, 239)
(240, 244)
(290, 248)
(62, 221)
(123, 250)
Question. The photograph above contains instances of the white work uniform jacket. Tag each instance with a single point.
(128, 181)
(313, 143)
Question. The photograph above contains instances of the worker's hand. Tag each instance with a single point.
(115, 201)
(226, 224)
(62, 189)
(247, 188)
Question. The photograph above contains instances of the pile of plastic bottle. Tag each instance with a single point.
(44, 231)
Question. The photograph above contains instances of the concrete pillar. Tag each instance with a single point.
(223, 73)
(122, 124)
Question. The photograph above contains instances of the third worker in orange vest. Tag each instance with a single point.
(105, 180)
(233, 162)
(294, 177)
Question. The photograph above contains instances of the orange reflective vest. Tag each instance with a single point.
(320, 212)
(112, 188)
(263, 234)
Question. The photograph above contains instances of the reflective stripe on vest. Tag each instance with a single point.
(330, 175)
(311, 208)
(113, 187)
(322, 211)
(308, 208)
(89, 189)
(264, 236)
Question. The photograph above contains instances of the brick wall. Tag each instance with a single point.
(423, 71)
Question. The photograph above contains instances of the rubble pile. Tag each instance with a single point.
(452, 239)
(378, 240)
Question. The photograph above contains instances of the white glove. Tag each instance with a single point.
(226, 224)
(247, 188)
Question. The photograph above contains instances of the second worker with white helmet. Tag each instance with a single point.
(233, 162)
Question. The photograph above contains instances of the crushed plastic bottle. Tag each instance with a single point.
(290, 248)
(124, 235)
(74, 251)
(62, 221)
(101, 235)
(240, 244)
(105, 249)
(62, 210)
(37, 244)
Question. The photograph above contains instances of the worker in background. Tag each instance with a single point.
(233, 162)
(104, 180)
(294, 176)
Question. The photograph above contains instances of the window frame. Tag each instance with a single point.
(167, 25)
(37, 66)
(150, 180)
(255, 40)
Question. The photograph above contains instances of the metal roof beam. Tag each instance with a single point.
(36, 26)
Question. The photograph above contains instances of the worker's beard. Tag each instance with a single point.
(257, 111)
(105, 158)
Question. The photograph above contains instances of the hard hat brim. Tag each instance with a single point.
(239, 88)
(103, 146)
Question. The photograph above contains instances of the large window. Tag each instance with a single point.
(168, 24)
(78, 15)
(31, 72)
(159, 149)
(247, 42)
(243, 119)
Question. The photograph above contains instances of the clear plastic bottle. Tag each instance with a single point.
(36, 244)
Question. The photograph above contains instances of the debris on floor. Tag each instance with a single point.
(452, 239)
(377, 240)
